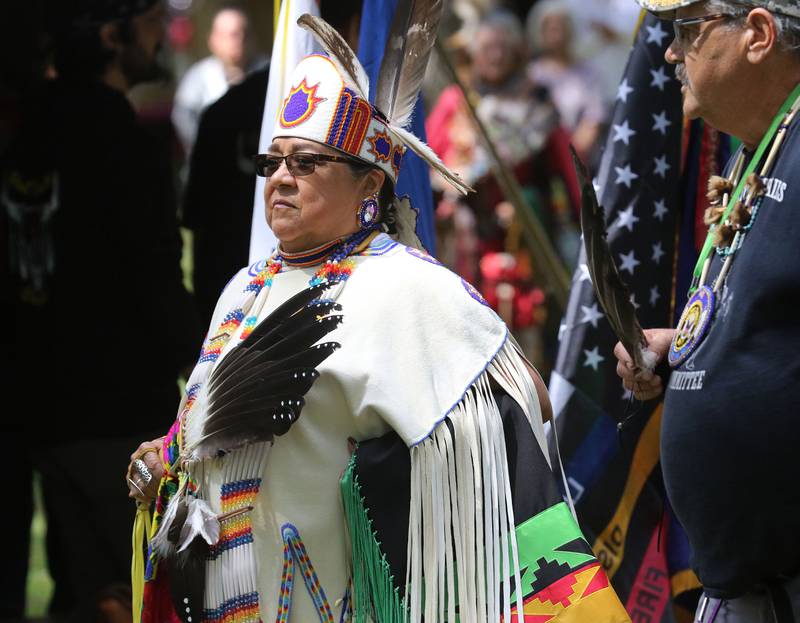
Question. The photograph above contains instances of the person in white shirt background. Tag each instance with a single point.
(208, 79)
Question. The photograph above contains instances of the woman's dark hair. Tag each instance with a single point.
(387, 214)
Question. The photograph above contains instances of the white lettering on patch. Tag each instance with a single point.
(775, 188)
(687, 381)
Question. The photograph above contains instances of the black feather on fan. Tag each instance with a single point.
(257, 390)
(611, 292)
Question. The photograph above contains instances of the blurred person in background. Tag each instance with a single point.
(523, 124)
(218, 199)
(604, 36)
(208, 79)
(21, 70)
(574, 85)
(93, 271)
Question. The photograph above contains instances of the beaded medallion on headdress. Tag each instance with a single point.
(299, 105)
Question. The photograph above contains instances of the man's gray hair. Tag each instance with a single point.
(788, 27)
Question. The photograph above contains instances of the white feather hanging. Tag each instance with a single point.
(200, 520)
(160, 543)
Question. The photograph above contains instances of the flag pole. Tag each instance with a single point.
(548, 264)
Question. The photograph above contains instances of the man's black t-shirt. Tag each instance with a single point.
(730, 439)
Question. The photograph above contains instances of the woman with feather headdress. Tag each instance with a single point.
(413, 484)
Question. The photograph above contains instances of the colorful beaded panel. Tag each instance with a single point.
(294, 553)
(241, 609)
(238, 530)
(381, 146)
(350, 122)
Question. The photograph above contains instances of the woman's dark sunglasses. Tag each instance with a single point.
(299, 163)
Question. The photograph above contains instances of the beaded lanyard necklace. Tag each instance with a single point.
(335, 269)
(729, 224)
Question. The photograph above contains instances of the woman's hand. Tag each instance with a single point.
(645, 385)
(145, 471)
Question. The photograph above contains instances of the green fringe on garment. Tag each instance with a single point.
(375, 596)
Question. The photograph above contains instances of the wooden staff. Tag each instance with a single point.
(548, 264)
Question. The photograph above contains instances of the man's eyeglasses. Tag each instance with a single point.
(685, 34)
(299, 163)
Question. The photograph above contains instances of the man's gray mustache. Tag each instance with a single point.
(680, 74)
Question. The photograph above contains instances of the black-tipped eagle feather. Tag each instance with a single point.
(611, 292)
(257, 391)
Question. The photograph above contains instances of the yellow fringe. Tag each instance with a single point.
(141, 528)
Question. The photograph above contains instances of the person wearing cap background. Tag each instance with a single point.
(730, 432)
(108, 282)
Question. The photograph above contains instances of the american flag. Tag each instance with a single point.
(610, 443)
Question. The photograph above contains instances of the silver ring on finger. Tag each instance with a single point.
(143, 470)
(135, 486)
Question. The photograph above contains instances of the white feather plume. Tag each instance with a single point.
(405, 58)
(339, 52)
(200, 520)
(160, 543)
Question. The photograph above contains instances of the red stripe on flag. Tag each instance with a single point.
(650, 592)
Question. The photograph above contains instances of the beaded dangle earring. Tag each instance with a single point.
(367, 212)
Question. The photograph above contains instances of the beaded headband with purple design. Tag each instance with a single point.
(321, 108)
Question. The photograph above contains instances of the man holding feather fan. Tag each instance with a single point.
(730, 434)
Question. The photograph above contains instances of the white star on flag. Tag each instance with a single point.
(661, 123)
(658, 252)
(661, 210)
(659, 78)
(627, 219)
(584, 276)
(593, 358)
(654, 296)
(633, 301)
(662, 166)
(591, 314)
(625, 175)
(623, 91)
(629, 262)
(656, 34)
(623, 132)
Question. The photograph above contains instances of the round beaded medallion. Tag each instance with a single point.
(692, 326)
